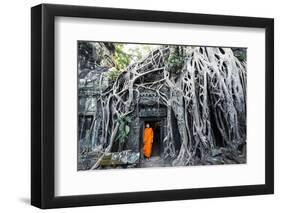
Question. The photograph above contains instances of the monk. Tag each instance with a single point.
(147, 141)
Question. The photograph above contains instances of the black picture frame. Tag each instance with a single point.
(43, 102)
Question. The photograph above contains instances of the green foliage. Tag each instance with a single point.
(127, 129)
(242, 56)
(137, 52)
(240, 53)
(120, 57)
(113, 74)
(124, 128)
(121, 60)
(176, 59)
(124, 55)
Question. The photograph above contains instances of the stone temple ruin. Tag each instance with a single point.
(197, 109)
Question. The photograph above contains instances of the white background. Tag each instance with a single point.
(130, 180)
(15, 106)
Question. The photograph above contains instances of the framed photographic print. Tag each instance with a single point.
(140, 106)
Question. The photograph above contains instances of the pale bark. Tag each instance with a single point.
(211, 81)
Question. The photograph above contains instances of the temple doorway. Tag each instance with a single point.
(158, 126)
(159, 130)
(156, 117)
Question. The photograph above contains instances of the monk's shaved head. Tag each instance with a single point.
(147, 125)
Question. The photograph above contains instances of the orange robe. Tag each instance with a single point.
(147, 140)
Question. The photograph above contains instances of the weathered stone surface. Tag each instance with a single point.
(156, 161)
(126, 157)
(153, 112)
(198, 104)
(120, 158)
(133, 142)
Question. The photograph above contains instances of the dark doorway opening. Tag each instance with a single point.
(156, 146)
